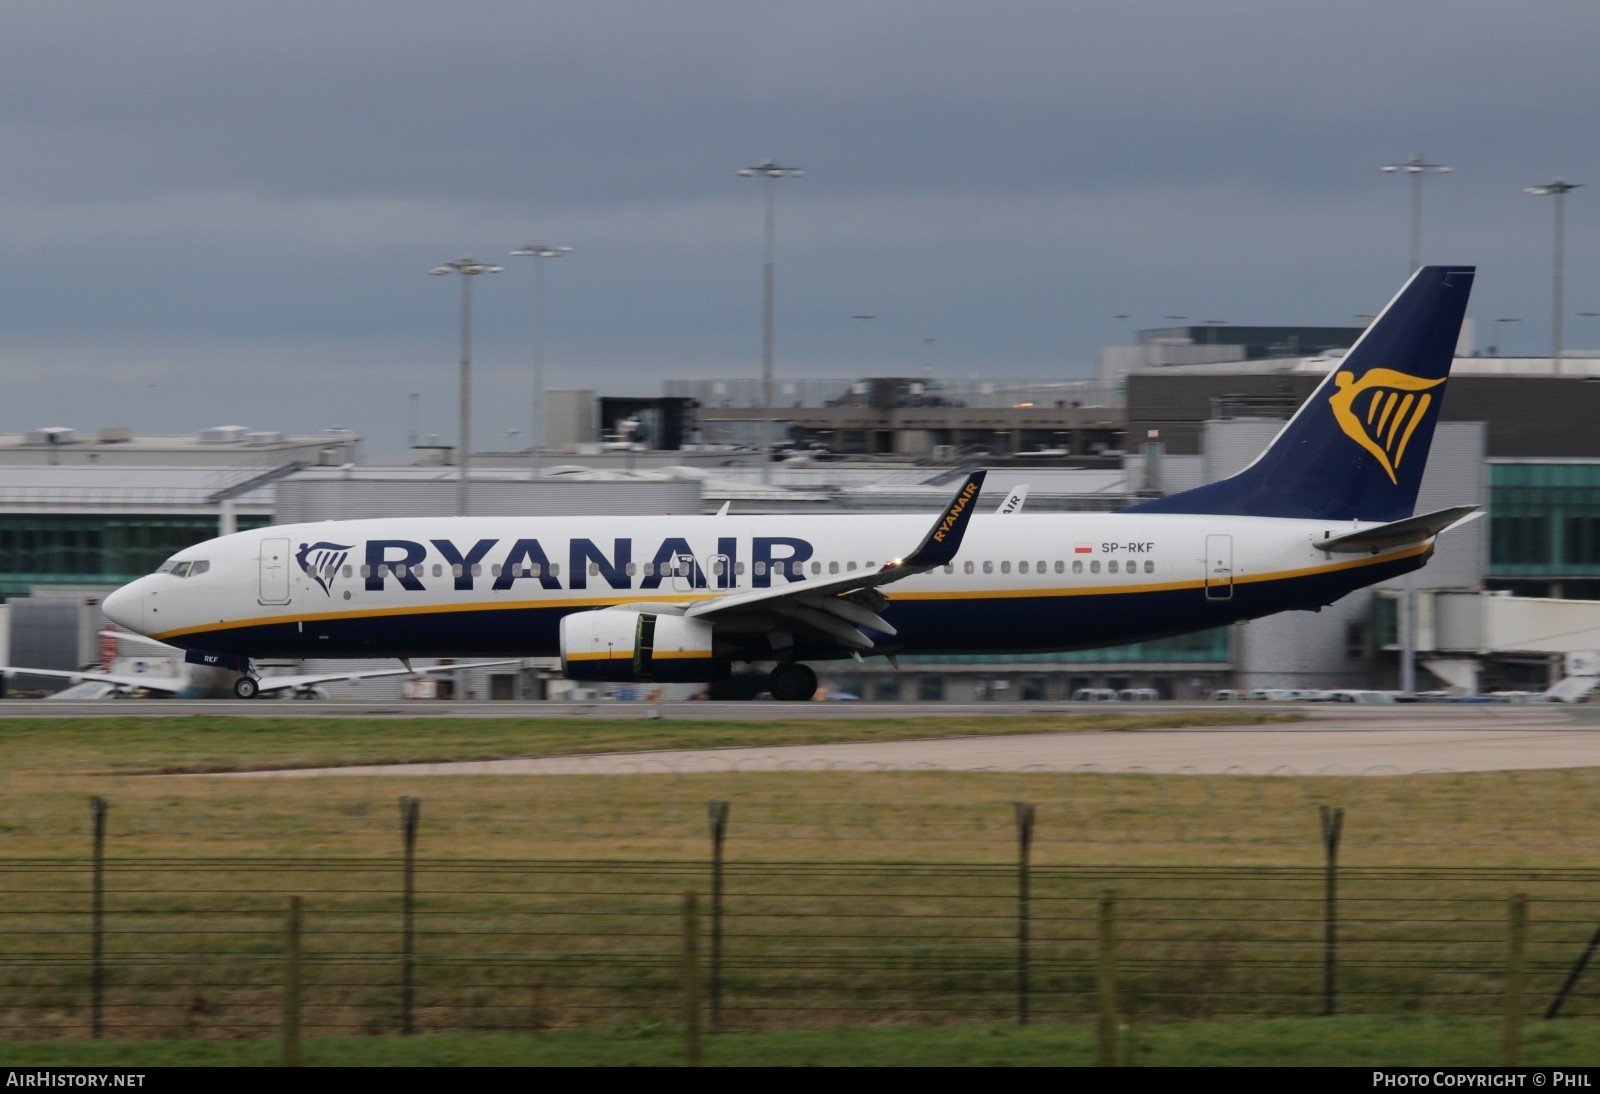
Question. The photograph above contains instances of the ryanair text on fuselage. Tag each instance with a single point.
(504, 563)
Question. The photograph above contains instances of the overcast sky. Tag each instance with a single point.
(224, 213)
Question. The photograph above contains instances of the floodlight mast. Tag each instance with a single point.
(538, 252)
(468, 267)
(1558, 190)
(770, 171)
(1416, 167)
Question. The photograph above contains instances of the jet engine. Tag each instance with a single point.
(625, 646)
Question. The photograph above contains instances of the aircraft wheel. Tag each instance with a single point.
(246, 687)
(792, 683)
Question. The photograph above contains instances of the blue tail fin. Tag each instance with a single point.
(1356, 449)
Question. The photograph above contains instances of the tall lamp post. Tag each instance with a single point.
(468, 267)
(538, 252)
(771, 171)
(1558, 190)
(1416, 167)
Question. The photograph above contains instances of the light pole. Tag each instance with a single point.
(771, 171)
(1500, 335)
(538, 252)
(468, 267)
(1558, 190)
(1416, 167)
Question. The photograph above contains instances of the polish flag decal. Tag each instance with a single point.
(1083, 549)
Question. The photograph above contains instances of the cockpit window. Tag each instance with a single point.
(183, 569)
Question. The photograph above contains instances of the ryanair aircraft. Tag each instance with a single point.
(1326, 509)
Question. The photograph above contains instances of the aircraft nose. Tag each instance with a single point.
(125, 607)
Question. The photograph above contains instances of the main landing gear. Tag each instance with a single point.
(791, 682)
(246, 687)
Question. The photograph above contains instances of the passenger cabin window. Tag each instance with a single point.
(1061, 567)
(1149, 566)
(1111, 567)
(1094, 567)
(1077, 566)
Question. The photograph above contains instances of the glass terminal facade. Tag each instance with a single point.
(93, 549)
(1544, 529)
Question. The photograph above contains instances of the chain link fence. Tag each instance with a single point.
(118, 943)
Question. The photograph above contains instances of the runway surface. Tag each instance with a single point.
(1386, 740)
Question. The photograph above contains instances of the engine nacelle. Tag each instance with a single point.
(625, 646)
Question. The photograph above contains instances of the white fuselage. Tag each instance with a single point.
(475, 586)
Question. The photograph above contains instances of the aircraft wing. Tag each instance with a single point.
(840, 605)
(310, 680)
(130, 681)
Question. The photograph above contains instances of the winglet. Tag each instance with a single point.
(939, 546)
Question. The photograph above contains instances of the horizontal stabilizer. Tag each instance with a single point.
(1397, 533)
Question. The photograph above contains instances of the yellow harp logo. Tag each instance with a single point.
(1381, 411)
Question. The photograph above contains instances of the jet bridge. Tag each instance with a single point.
(1461, 633)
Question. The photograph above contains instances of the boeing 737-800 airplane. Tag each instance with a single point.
(1326, 509)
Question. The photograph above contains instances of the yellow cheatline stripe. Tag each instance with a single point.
(984, 594)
